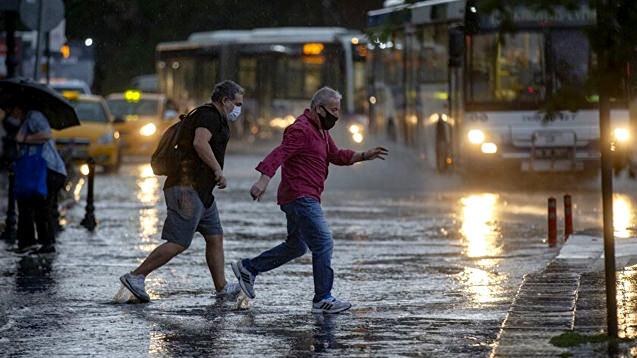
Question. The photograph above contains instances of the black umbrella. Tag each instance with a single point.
(40, 97)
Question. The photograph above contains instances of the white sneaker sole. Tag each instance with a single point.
(237, 273)
(128, 287)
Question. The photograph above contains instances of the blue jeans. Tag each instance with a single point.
(306, 228)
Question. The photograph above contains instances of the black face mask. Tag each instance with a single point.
(328, 121)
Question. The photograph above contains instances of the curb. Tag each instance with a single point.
(546, 301)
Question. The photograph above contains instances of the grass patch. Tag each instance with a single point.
(572, 339)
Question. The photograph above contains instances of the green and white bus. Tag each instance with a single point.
(447, 81)
(279, 67)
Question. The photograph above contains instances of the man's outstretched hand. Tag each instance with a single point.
(376, 153)
(258, 189)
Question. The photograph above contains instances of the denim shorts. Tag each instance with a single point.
(187, 215)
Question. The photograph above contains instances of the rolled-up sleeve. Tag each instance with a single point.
(338, 156)
(293, 143)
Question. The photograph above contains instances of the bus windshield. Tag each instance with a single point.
(527, 68)
(507, 69)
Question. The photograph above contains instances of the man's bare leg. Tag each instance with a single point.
(159, 257)
(214, 258)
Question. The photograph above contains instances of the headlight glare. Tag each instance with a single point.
(148, 129)
(476, 136)
(622, 135)
(489, 148)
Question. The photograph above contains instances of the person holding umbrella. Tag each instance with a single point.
(36, 108)
(34, 132)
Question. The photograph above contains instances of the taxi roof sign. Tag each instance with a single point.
(71, 95)
(132, 96)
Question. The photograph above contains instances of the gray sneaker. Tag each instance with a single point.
(245, 277)
(229, 291)
(135, 284)
(330, 305)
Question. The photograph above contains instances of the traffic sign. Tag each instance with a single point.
(52, 14)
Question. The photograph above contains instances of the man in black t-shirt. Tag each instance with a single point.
(191, 206)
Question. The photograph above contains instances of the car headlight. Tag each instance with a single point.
(622, 135)
(106, 138)
(148, 129)
(476, 136)
(489, 148)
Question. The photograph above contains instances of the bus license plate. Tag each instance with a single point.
(554, 139)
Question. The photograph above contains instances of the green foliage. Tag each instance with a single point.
(572, 339)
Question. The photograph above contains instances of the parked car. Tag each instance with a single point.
(96, 137)
(141, 118)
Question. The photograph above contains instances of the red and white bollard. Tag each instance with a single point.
(568, 217)
(552, 222)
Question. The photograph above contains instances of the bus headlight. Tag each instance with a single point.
(148, 129)
(357, 137)
(476, 136)
(622, 135)
(489, 148)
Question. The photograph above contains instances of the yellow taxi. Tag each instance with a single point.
(141, 118)
(96, 131)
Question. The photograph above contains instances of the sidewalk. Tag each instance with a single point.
(569, 295)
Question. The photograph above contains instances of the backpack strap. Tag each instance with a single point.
(185, 116)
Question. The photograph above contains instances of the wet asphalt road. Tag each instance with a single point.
(429, 263)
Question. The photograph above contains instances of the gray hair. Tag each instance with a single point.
(323, 95)
(226, 89)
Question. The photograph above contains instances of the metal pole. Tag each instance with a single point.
(604, 19)
(607, 204)
(552, 222)
(9, 233)
(89, 221)
(568, 217)
(11, 24)
(47, 52)
(38, 40)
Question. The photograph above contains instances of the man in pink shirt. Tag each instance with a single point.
(305, 153)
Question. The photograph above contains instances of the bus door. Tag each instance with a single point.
(265, 72)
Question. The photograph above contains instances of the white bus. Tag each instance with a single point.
(487, 112)
(279, 67)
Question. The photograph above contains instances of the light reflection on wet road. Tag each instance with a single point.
(430, 265)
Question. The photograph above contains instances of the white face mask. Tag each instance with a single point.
(234, 115)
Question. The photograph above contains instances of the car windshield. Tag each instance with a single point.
(90, 111)
(62, 89)
(145, 107)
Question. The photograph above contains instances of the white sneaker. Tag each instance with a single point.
(330, 305)
(229, 291)
(135, 284)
